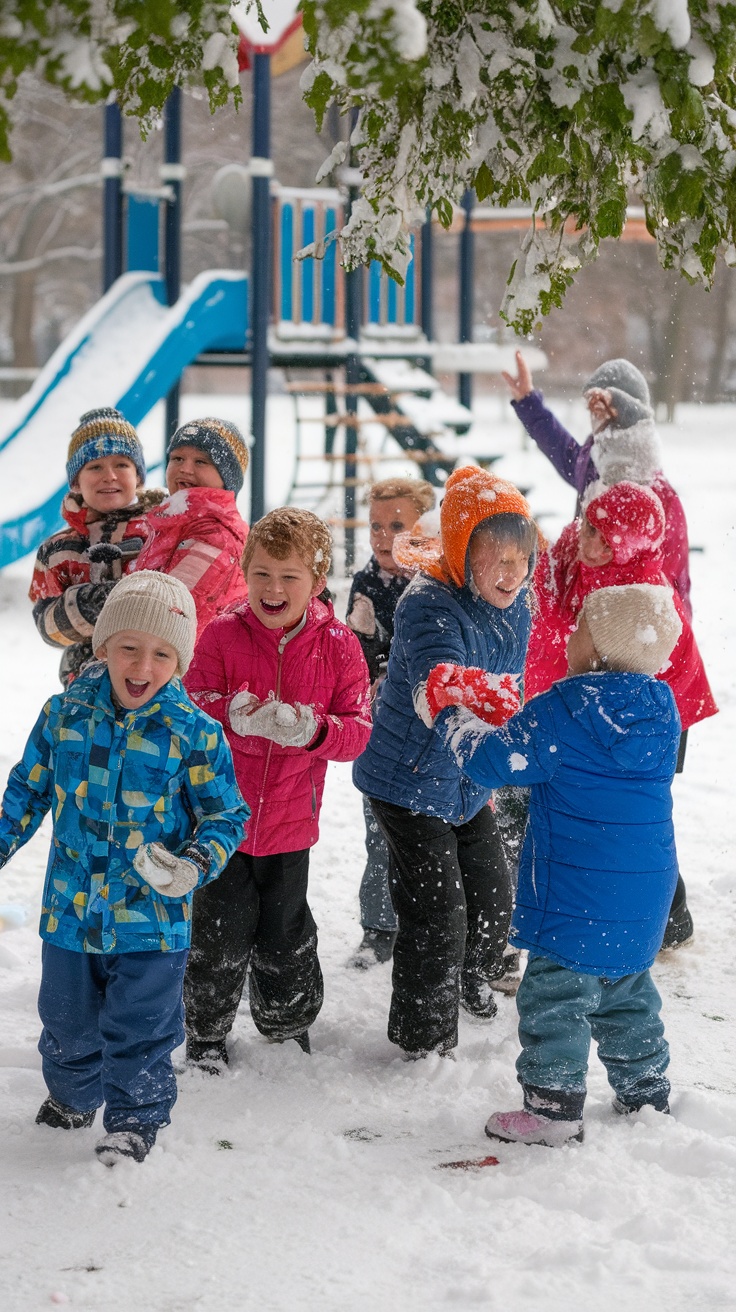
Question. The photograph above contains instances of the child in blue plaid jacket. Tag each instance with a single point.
(145, 809)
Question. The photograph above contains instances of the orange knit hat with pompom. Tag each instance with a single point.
(471, 495)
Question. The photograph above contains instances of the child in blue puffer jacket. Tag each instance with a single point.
(145, 809)
(598, 867)
(449, 880)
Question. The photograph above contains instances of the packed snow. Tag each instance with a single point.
(314, 1184)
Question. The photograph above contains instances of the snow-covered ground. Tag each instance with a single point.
(297, 1184)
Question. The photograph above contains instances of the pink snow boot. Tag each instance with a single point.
(528, 1127)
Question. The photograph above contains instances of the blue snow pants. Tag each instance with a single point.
(110, 1024)
(376, 907)
(561, 1010)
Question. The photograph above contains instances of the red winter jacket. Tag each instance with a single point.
(320, 665)
(197, 535)
(562, 582)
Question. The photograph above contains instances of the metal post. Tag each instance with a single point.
(261, 167)
(353, 326)
(112, 197)
(172, 175)
(467, 252)
(426, 275)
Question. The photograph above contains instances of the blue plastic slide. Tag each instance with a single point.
(128, 352)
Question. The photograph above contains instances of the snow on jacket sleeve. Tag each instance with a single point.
(523, 752)
(553, 440)
(27, 795)
(215, 801)
(347, 724)
(206, 679)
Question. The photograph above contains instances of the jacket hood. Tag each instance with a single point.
(79, 516)
(93, 690)
(625, 713)
(629, 518)
(632, 453)
(317, 614)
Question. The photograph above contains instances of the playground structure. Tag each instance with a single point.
(366, 342)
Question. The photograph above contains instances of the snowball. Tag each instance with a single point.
(285, 715)
(647, 635)
(517, 762)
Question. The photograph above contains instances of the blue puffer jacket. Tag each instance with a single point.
(405, 762)
(598, 867)
(162, 773)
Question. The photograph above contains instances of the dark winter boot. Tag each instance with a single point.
(509, 982)
(477, 997)
(628, 1109)
(207, 1055)
(135, 1144)
(376, 948)
(59, 1117)
(678, 930)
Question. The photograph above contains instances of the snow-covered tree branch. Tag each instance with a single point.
(573, 107)
(92, 48)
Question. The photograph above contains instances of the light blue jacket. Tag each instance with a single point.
(116, 779)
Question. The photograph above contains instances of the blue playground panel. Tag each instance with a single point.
(142, 233)
(308, 288)
(388, 303)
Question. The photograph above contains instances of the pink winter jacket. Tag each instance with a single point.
(198, 536)
(320, 665)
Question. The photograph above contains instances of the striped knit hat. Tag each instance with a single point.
(222, 442)
(104, 432)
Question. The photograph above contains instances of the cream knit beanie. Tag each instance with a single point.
(150, 603)
(634, 627)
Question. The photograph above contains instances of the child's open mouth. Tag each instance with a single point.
(135, 688)
(273, 607)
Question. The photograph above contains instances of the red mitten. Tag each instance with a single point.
(492, 697)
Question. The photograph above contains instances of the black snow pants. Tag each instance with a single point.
(255, 912)
(451, 891)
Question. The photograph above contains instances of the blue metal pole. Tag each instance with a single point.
(353, 326)
(467, 273)
(172, 175)
(426, 276)
(261, 166)
(112, 196)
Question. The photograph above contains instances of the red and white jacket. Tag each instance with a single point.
(197, 535)
(319, 664)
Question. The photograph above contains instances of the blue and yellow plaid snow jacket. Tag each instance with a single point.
(115, 779)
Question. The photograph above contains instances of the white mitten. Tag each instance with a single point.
(295, 726)
(241, 704)
(421, 705)
(169, 874)
(362, 618)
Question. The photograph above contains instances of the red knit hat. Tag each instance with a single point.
(630, 519)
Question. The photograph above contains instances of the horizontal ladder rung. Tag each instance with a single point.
(359, 457)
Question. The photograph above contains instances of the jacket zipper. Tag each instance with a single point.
(281, 646)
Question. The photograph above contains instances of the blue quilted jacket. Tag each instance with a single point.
(405, 762)
(598, 867)
(114, 780)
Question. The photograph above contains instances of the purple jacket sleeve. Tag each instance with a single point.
(570, 459)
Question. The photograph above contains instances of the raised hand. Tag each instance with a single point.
(521, 384)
